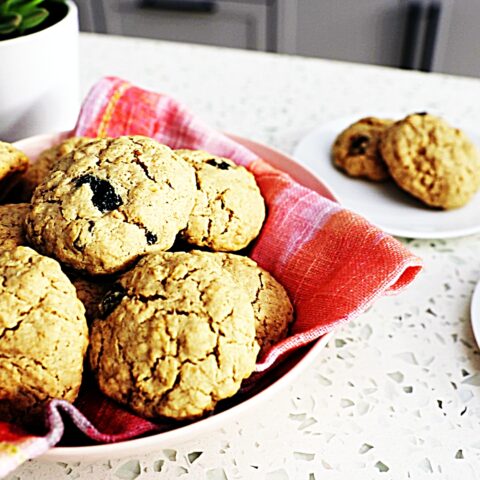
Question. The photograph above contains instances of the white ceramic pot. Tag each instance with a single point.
(39, 80)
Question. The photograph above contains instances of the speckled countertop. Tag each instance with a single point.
(396, 394)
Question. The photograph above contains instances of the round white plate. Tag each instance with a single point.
(475, 313)
(384, 204)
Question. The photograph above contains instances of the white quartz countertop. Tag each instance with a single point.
(396, 394)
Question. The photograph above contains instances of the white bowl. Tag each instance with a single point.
(268, 386)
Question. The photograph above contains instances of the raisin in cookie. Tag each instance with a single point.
(13, 162)
(177, 336)
(111, 201)
(229, 209)
(272, 308)
(356, 149)
(432, 161)
(12, 218)
(46, 162)
(44, 335)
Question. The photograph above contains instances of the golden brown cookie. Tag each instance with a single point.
(43, 335)
(109, 202)
(356, 149)
(13, 163)
(45, 163)
(229, 209)
(12, 219)
(177, 336)
(272, 308)
(431, 160)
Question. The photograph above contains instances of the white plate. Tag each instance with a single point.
(384, 204)
(475, 313)
(270, 386)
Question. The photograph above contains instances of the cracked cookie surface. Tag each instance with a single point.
(43, 335)
(272, 308)
(45, 163)
(177, 336)
(13, 162)
(12, 219)
(111, 201)
(356, 149)
(229, 209)
(432, 161)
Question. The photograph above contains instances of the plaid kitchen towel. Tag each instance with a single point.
(332, 262)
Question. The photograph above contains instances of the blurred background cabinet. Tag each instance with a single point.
(458, 51)
(230, 23)
(366, 31)
(430, 35)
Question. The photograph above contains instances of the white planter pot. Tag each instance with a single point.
(39, 80)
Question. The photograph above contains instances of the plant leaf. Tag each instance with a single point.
(25, 6)
(4, 6)
(21, 2)
(9, 23)
(33, 18)
(5, 29)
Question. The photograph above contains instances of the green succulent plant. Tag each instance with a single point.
(18, 17)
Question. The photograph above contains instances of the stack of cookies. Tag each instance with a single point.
(135, 238)
(425, 157)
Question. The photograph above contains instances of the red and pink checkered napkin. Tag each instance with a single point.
(332, 262)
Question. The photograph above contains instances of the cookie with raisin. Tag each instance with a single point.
(229, 209)
(110, 202)
(176, 335)
(356, 149)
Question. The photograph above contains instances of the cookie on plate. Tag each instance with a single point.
(432, 161)
(356, 149)
(272, 308)
(44, 335)
(12, 219)
(45, 163)
(229, 209)
(111, 201)
(13, 162)
(177, 336)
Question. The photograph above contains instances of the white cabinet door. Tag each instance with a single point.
(232, 24)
